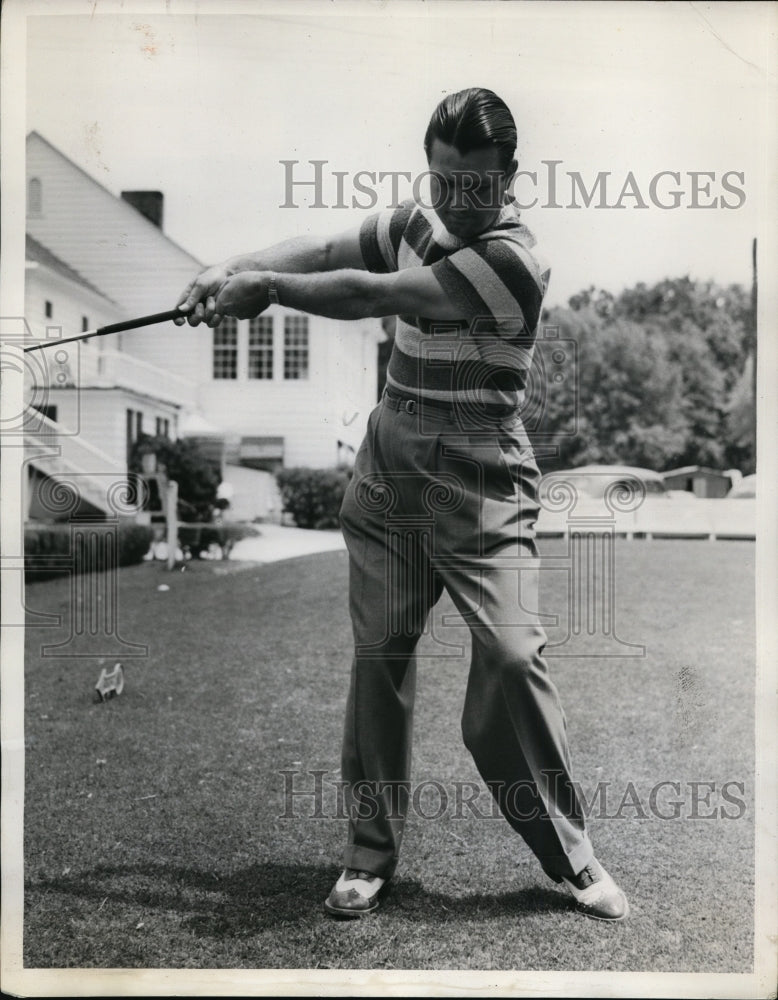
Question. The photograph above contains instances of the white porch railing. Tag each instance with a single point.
(116, 368)
(108, 369)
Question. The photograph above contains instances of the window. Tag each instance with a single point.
(129, 434)
(34, 197)
(265, 453)
(295, 347)
(48, 410)
(162, 427)
(134, 429)
(225, 349)
(49, 309)
(261, 347)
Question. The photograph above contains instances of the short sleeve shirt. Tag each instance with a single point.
(497, 280)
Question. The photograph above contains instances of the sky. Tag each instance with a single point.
(206, 107)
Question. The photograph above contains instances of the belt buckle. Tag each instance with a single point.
(409, 405)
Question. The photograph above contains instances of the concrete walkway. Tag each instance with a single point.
(278, 542)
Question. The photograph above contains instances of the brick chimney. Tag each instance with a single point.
(148, 203)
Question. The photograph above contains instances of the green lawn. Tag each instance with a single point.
(155, 833)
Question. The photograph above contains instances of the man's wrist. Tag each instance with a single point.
(233, 266)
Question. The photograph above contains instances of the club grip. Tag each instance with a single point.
(134, 324)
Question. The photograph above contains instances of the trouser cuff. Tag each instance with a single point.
(561, 866)
(365, 859)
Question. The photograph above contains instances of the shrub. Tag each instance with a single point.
(185, 462)
(313, 496)
(198, 539)
(48, 548)
(134, 542)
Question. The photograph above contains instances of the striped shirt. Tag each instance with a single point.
(482, 360)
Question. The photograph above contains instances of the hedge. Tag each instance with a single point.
(313, 496)
(226, 535)
(48, 547)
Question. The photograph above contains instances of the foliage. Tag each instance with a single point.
(48, 548)
(197, 539)
(703, 397)
(740, 423)
(658, 380)
(184, 462)
(313, 496)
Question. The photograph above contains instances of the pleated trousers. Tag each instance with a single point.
(440, 502)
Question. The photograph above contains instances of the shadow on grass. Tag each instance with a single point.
(265, 895)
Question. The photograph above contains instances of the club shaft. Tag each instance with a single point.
(127, 324)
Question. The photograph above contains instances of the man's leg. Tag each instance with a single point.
(394, 592)
(391, 591)
(513, 722)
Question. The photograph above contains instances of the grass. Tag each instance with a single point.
(154, 823)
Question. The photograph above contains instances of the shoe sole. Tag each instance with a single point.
(344, 913)
(606, 920)
(348, 914)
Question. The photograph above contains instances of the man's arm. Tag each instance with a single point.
(300, 255)
(343, 294)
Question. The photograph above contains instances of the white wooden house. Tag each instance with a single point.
(284, 389)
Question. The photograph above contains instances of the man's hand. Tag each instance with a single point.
(215, 293)
(300, 255)
(243, 295)
(198, 298)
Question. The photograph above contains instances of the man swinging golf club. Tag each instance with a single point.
(446, 453)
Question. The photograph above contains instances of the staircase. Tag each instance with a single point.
(74, 472)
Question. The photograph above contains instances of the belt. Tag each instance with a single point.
(408, 404)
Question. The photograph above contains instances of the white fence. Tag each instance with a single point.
(692, 518)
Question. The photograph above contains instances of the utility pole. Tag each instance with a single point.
(753, 339)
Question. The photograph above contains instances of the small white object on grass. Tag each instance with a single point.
(109, 683)
(163, 586)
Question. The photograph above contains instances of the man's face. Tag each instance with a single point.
(467, 190)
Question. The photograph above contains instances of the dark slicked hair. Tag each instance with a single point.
(473, 119)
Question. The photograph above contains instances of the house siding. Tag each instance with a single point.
(103, 237)
(139, 271)
(311, 414)
(99, 416)
(70, 303)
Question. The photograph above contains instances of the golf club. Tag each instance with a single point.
(127, 324)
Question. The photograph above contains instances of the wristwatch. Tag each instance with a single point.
(272, 291)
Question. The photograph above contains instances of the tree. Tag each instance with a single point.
(657, 379)
(702, 399)
(184, 462)
(741, 423)
(623, 401)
